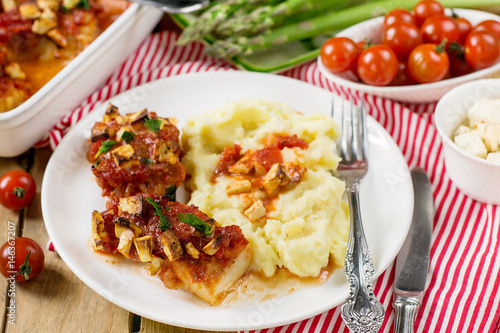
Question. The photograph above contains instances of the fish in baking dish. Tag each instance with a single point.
(39, 38)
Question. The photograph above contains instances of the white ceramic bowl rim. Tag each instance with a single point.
(439, 121)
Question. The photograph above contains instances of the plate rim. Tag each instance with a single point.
(304, 314)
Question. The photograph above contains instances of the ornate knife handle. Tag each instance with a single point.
(361, 311)
(406, 309)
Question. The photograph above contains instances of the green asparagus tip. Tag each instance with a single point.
(227, 48)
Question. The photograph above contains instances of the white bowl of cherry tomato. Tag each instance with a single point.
(414, 56)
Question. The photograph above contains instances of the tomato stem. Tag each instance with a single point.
(457, 50)
(368, 43)
(441, 48)
(19, 192)
(25, 269)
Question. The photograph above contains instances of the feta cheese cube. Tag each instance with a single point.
(492, 138)
(472, 144)
(493, 157)
(485, 110)
(462, 129)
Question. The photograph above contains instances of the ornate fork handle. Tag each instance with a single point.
(361, 311)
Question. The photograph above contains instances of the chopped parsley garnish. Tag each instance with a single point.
(164, 221)
(146, 160)
(127, 136)
(105, 146)
(170, 193)
(195, 222)
(85, 4)
(153, 124)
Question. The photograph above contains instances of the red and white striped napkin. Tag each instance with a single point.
(463, 293)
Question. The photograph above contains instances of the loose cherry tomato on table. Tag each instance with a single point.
(438, 28)
(489, 25)
(402, 38)
(428, 63)
(377, 65)
(339, 54)
(22, 258)
(482, 49)
(425, 9)
(398, 15)
(17, 189)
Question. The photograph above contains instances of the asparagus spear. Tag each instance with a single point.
(327, 23)
(263, 18)
(216, 14)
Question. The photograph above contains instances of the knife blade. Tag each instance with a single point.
(412, 262)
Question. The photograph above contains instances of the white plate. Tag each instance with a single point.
(69, 194)
(419, 93)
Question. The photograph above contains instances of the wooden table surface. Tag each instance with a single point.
(57, 300)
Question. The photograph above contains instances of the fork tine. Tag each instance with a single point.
(347, 131)
(359, 132)
(363, 136)
(338, 116)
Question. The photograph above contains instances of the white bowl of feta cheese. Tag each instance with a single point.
(468, 121)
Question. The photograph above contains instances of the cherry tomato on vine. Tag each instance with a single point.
(339, 54)
(377, 65)
(428, 63)
(425, 9)
(438, 28)
(21, 258)
(402, 38)
(482, 49)
(398, 15)
(489, 25)
(17, 189)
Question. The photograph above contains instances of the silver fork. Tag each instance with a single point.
(175, 6)
(361, 311)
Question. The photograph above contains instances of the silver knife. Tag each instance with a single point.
(412, 262)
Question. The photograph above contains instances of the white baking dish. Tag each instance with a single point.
(23, 126)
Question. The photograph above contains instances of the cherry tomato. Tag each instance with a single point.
(428, 63)
(17, 189)
(403, 77)
(339, 54)
(402, 38)
(361, 45)
(489, 25)
(464, 26)
(425, 9)
(398, 15)
(437, 28)
(377, 65)
(482, 49)
(21, 258)
(458, 65)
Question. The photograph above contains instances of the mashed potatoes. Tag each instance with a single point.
(306, 223)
